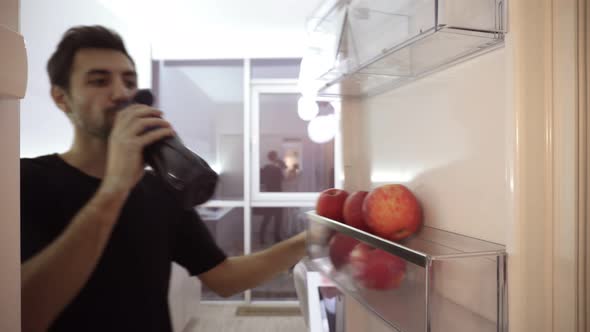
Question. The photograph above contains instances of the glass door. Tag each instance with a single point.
(288, 170)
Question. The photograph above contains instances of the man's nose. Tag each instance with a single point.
(121, 92)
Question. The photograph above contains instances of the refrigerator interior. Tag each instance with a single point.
(446, 137)
(425, 104)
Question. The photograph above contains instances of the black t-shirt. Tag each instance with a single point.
(271, 177)
(128, 290)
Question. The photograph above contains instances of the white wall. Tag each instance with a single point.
(445, 136)
(44, 129)
(9, 197)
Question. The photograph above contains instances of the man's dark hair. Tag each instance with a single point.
(59, 66)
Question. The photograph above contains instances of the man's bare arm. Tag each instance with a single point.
(237, 274)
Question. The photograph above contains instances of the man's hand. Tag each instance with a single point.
(135, 128)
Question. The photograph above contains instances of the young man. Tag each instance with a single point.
(99, 233)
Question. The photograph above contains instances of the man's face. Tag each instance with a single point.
(100, 81)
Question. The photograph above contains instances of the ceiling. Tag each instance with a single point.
(218, 24)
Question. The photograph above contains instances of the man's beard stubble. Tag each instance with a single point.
(104, 131)
(100, 130)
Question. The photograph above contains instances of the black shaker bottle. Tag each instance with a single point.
(190, 179)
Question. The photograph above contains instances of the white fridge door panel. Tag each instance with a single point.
(13, 64)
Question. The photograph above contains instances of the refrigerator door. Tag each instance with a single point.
(13, 73)
(13, 64)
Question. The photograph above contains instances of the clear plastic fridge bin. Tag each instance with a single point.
(323, 60)
(451, 282)
(402, 39)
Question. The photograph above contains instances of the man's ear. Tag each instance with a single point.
(59, 96)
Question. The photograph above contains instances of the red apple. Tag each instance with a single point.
(376, 269)
(392, 212)
(353, 210)
(340, 246)
(330, 203)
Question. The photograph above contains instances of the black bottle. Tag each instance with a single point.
(190, 179)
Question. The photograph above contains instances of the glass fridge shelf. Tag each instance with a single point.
(365, 47)
(448, 281)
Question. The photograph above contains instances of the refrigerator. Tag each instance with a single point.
(480, 109)
(13, 78)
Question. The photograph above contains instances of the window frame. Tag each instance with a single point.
(276, 199)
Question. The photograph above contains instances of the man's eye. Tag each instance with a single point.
(131, 84)
(98, 81)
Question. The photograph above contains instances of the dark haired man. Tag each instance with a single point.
(271, 180)
(98, 232)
